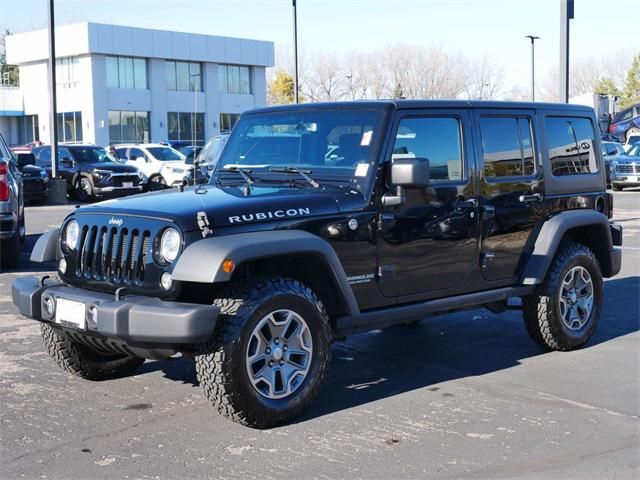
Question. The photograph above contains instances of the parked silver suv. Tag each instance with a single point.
(11, 208)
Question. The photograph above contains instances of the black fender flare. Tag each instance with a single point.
(551, 234)
(46, 247)
(201, 261)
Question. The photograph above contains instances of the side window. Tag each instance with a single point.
(507, 146)
(438, 139)
(121, 153)
(44, 157)
(571, 146)
(136, 152)
(64, 153)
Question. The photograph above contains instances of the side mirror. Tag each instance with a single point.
(25, 159)
(67, 162)
(407, 173)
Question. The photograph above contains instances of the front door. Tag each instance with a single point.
(428, 245)
(510, 188)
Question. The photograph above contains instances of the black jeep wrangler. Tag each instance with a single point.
(324, 220)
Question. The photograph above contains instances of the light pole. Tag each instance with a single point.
(295, 53)
(533, 66)
(566, 14)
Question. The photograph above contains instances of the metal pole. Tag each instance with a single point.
(53, 112)
(566, 14)
(295, 54)
(533, 66)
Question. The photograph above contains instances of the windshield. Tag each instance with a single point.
(212, 150)
(90, 155)
(331, 144)
(165, 154)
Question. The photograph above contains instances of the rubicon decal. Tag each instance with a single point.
(257, 216)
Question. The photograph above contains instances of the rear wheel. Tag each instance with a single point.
(268, 356)
(83, 362)
(564, 311)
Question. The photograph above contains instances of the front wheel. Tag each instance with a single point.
(157, 182)
(564, 311)
(84, 190)
(83, 362)
(268, 356)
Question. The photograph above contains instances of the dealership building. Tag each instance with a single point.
(120, 84)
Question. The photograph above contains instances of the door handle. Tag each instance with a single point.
(536, 197)
(471, 203)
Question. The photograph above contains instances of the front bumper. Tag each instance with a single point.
(144, 323)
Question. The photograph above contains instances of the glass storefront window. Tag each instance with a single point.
(183, 125)
(128, 127)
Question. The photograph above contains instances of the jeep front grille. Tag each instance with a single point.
(632, 169)
(113, 254)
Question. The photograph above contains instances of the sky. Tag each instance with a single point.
(473, 27)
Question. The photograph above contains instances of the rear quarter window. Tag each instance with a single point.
(571, 146)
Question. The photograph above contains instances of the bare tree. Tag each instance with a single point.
(483, 80)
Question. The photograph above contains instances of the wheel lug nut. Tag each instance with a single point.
(268, 350)
(276, 341)
(271, 364)
(284, 348)
(281, 362)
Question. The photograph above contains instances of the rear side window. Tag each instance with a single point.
(507, 147)
(438, 139)
(571, 146)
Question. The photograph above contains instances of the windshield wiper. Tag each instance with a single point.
(302, 173)
(244, 173)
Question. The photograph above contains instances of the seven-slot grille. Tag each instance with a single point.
(114, 254)
(628, 168)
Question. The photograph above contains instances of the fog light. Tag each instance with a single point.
(93, 314)
(62, 266)
(166, 281)
(49, 306)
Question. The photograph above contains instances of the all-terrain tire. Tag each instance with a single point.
(84, 362)
(220, 363)
(541, 310)
(10, 252)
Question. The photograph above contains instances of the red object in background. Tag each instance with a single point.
(4, 182)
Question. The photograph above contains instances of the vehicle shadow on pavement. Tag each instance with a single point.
(370, 367)
(379, 364)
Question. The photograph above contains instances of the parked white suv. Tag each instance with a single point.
(161, 165)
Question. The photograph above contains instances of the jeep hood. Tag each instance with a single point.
(228, 206)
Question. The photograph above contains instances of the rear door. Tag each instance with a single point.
(428, 245)
(510, 188)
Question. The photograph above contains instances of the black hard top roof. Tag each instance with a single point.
(416, 104)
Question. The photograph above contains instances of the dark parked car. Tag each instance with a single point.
(626, 122)
(35, 179)
(90, 172)
(11, 208)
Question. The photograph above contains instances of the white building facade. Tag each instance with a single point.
(120, 84)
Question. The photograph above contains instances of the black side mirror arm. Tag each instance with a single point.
(390, 200)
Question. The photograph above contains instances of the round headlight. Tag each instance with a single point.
(71, 234)
(170, 244)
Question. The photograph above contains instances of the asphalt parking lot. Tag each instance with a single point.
(467, 395)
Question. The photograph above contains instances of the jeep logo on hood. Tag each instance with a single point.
(275, 214)
(115, 221)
